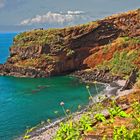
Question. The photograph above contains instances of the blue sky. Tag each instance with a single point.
(16, 15)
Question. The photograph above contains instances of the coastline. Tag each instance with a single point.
(47, 131)
(77, 48)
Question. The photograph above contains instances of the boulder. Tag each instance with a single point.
(131, 80)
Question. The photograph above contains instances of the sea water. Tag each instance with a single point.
(25, 102)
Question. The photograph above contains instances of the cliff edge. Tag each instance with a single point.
(44, 53)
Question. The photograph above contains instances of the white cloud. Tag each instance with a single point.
(76, 12)
(61, 18)
(2, 3)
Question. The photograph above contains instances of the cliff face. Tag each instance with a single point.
(43, 53)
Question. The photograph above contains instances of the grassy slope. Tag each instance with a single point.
(121, 122)
(120, 56)
(115, 119)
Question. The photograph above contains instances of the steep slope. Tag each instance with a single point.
(120, 56)
(43, 53)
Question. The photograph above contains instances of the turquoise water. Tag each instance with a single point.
(5, 41)
(25, 102)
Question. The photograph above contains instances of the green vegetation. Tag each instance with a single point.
(40, 37)
(122, 133)
(94, 121)
(77, 129)
(129, 134)
(27, 135)
(72, 130)
(124, 42)
(100, 117)
(128, 41)
(122, 62)
(34, 62)
(125, 52)
(49, 36)
(105, 49)
(67, 131)
(116, 111)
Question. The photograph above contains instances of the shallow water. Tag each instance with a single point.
(25, 102)
(6, 40)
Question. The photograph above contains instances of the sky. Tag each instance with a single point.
(20, 15)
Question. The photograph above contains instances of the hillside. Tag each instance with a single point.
(111, 119)
(43, 53)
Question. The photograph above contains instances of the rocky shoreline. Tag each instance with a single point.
(113, 85)
(45, 53)
(103, 76)
(10, 70)
(92, 75)
(47, 131)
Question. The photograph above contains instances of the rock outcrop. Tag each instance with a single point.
(96, 75)
(43, 53)
(11, 70)
(131, 80)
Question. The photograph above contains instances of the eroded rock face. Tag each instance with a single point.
(59, 51)
(131, 80)
(11, 70)
(28, 52)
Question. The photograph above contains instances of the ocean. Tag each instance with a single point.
(25, 102)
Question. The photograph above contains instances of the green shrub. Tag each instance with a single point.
(122, 62)
(122, 133)
(67, 131)
(100, 117)
(85, 123)
(73, 130)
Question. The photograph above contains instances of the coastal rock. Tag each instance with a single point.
(96, 75)
(11, 70)
(131, 80)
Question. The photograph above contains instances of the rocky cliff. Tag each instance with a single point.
(43, 53)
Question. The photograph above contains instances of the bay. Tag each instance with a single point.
(25, 102)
